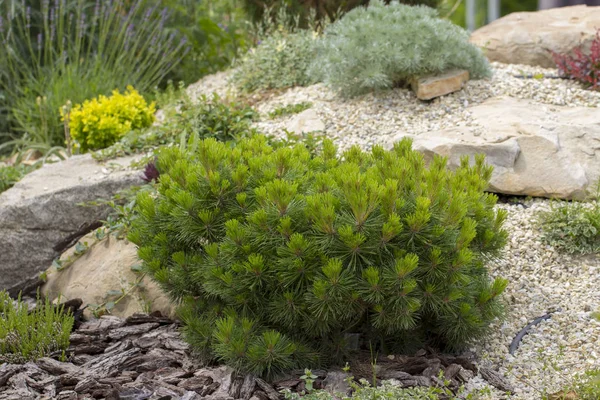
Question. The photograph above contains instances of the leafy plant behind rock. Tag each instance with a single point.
(277, 254)
(580, 66)
(52, 52)
(11, 174)
(381, 46)
(26, 336)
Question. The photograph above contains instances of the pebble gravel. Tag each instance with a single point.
(543, 280)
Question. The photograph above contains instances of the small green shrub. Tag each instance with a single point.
(279, 61)
(381, 46)
(572, 227)
(100, 122)
(277, 253)
(9, 175)
(211, 118)
(26, 336)
(290, 109)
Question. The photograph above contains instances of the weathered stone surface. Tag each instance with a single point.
(496, 379)
(536, 149)
(104, 268)
(305, 122)
(432, 86)
(529, 37)
(335, 383)
(39, 216)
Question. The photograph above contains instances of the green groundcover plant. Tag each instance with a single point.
(276, 254)
(381, 46)
(27, 335)
(572, 227)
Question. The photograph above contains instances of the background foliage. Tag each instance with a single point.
(54, 52)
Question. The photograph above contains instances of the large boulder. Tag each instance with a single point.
(529, 37)
(536, 149)
(104, 274)
(40, 216)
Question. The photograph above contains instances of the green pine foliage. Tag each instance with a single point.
(381, 46)
(26, 336)
(276, 253)
(281, 60)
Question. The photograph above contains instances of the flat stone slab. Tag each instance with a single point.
(305, 122)
(432, 86)
(39, 216)
(536, 149)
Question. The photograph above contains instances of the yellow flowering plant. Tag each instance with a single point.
(102, 121)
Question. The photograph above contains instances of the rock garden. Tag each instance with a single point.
(364, 204)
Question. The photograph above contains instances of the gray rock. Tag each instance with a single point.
(536, 149)
(39, 216)
(529, 37)
(335, 383)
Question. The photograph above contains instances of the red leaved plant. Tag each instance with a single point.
(582, 67)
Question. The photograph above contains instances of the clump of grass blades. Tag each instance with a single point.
(70, 51)
(26, 336)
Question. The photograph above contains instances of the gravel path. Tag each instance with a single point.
(375, 118)
(541, 279)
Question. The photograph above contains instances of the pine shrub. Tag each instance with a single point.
(277, 254)
(381, 46)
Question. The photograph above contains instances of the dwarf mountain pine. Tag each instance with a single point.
(276, 254)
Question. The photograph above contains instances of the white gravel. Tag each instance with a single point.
(541, 279)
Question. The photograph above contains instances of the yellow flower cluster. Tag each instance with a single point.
(100, 122)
